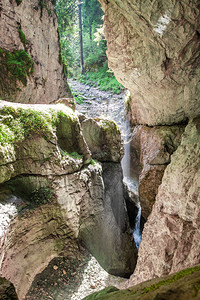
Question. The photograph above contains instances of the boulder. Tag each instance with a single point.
(103, 138)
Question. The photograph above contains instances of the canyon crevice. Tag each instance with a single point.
(60, 174)
(153, 49)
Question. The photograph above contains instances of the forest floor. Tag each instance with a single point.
(69, 278)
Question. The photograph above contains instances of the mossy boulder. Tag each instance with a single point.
(31, 135)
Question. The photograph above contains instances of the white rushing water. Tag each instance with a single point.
(137, 230)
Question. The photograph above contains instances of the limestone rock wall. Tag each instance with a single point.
(153, 49)
(31, 27)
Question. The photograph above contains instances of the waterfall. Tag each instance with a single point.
(137, 231)
(130, 177)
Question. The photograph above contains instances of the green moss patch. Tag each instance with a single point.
(17, 124)
(16, 66)
(102, 293)
(18, 2)
(172, 279)
(146, 290)
(22, 36)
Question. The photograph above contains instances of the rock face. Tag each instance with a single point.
(172, 231)
(31, 70)
(103, 138)
(183, 285)
(153, 49)
(53, 196)
(155, 146)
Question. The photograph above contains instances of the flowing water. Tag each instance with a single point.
(107, 105)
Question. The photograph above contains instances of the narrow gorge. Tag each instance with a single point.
(61, 178)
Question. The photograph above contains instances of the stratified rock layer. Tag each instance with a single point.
(30, 26)
(153, 49)
(52, 195)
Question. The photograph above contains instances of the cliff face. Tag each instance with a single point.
(153, 49)
(31, 70)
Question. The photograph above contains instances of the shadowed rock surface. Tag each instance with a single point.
(7, 290)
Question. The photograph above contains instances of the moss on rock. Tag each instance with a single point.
(22, 36)
(15, 66)
(18, 2)
(182, 285)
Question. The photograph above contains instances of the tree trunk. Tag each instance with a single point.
(90, 34)
(81, 37)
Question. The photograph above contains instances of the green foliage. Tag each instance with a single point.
(79, 100)
(18, 2)
(41, 196)
(67, 12)
(18, 63)
(22, 36)
(103, 79)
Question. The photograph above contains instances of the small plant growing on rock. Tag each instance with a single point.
(41, 196)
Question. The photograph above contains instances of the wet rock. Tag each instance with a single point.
(154, 146)
(172, 229)
(117, 256)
